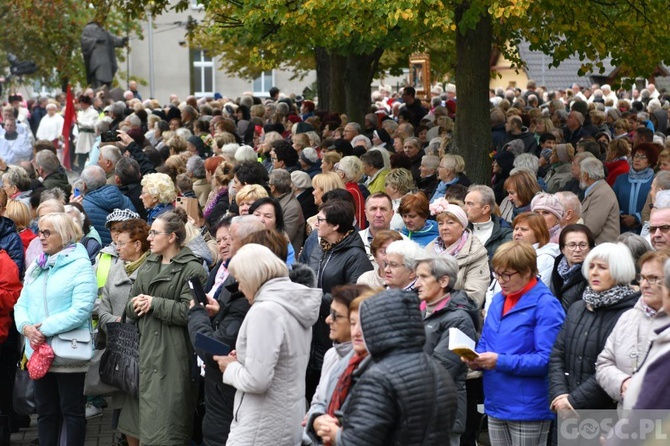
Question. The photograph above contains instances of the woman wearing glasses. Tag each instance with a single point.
(58, 296)
(631, 189)
(627, 345)
(160, 307)
(519, 330)
(609, 269)
(567, 281)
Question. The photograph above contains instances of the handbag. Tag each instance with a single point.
(72, 346)
(23, 395)
(120, 363)
(40, 361)
(93, 385)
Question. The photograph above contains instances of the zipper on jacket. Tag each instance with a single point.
(240, 406)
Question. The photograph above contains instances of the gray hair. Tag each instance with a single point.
(356, 126)
(487, 194)
(17, 176)
(93, 177)
(662, 180)
(621, 263)
(283, 108)
(430, 161)
(527, 160)
(76, 213)
(314, 139)
(352, 167)
(134, 120)
(229, 150)
(409, 250)
(183, 132)
(662, 200)
(636, 244)
(281, 180)
(434, 146)
(570, 201)
(245, 153)
(111, 153)
(441, 266)
(365, 139)
(47, 160)
(666, 273)
(196, 167)
(119, 109)
(593, 168)
(246, 224)
(247, 100)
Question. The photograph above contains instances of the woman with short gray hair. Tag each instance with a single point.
(442, 308)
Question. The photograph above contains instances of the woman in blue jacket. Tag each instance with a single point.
(520, 329)
(58, 295)
(632, 188)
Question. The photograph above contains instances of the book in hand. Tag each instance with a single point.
(211, 345)
(461, 344)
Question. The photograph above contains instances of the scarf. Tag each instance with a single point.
(156, 211)
(566, 271)
(512, 299)
(45, 261)
(327, 246)
(616, 294)
(454, 248)
(642, 176)
(132, 266)
(516, 211)
(344, 384)
(210, 206)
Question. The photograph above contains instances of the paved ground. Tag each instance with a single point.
(98, 431)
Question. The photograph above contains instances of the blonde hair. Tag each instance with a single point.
(160, 186)
(331, 158)
(327, 181)
(250, 192)
(517, 256)
(176, 163)
(19, 213)
(352, 167)
(65, 226)
(454, 163)
(254, 265)
(401, 180)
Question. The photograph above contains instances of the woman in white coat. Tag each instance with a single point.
(269, 364)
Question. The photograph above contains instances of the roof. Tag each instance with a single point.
(562, 76)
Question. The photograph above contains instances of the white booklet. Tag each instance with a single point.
(462, 344)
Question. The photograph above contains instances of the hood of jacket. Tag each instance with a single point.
(550, 249)
(391, 321)
(199, 247)
(302, 274)
(300, 301)
(108, 197)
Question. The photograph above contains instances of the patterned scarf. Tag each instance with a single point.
(156, 211)
(454, 248)
(566, 271)
(344, 384)
(327, 246)
(642, 176)
(45, 261)
(132, 266)
(616, 294)
(219, 194)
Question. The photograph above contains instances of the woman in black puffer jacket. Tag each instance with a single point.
(572, 367)
(567, 281)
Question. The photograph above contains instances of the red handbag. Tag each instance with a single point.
(40, 361)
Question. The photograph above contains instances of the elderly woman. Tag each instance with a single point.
(58, 295)
(350, 170)
(457, 241)
(519, 331)
(560, 173)
(159, 301)
(428, 180)
(444, 307)
(567, 281)
(339, 355)
(248, 195)
(277, 328)
(414, 210)
(16, 183)
(621, 129)
(450, 171)
(551, 209)
(531, 228)
(627, 345)
(399, 265)
(378, 247)
(572, 370)
(521, 187)
(158, 193)
(195, 169)
(398, 183)
(631, 189)
(616, 162)
(133, 247)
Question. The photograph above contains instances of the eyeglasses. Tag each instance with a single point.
(664, 229)
(574, 246)
(223, 240)
(334, 316)
(651, 280)
(153, 233)
(393, 265)
(640, 156)
(44, 233)
(504, 277)
(320, 220)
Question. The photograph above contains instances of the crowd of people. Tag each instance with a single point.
(338, 259)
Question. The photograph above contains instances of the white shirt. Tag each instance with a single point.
(15, 150)
(483, 231)
(51, 127)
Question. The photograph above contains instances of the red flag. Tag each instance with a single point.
(69, 119)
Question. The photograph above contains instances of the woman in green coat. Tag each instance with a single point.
(159, 302)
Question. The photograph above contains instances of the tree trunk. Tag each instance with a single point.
(338, 101)
(473, 73)
(323, 79)
(358, 75)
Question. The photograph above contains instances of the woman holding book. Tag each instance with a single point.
(519, 331)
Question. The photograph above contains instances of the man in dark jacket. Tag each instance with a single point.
(574, 129)
(100, 199)
(498, 132)
(128, 178)
(490, 229)
(50, 170)
(516, 130)
(404, 397)
(413, 106)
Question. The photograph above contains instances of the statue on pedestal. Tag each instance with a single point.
(97, 45)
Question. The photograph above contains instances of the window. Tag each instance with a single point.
(264, 82)
(203, 73)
